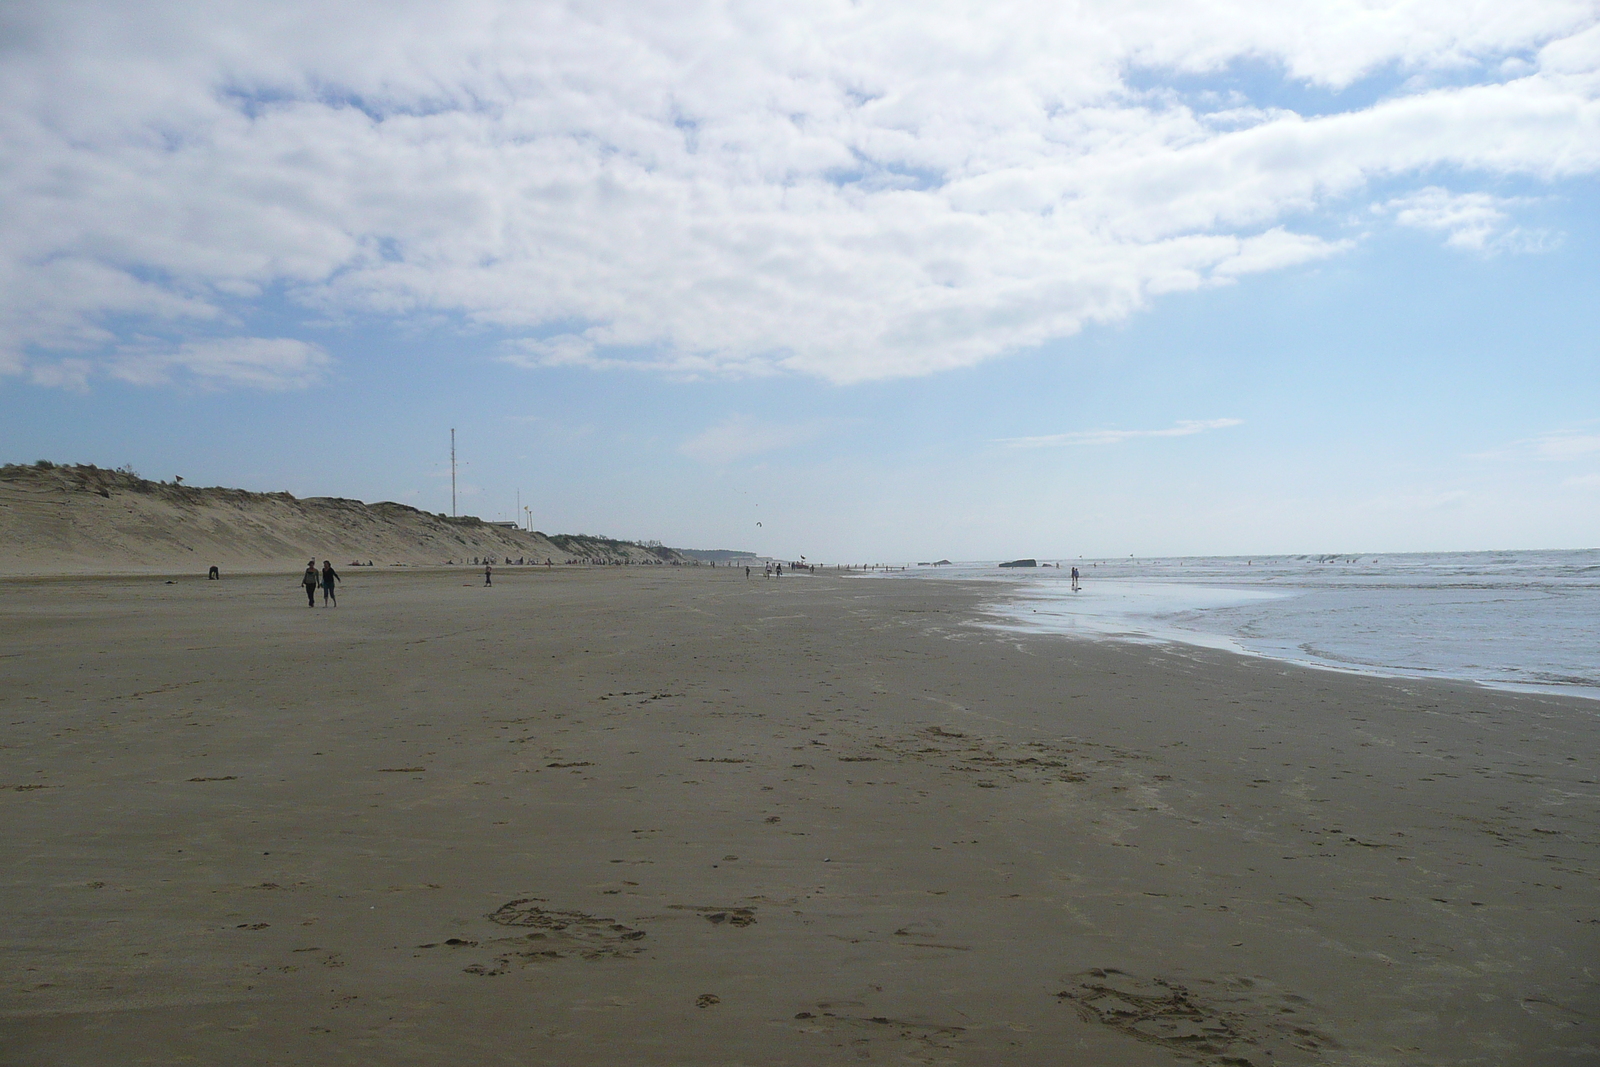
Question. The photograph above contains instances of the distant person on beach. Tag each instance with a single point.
(488, 575)
(747, 572)
(780, 570)
(329, 577)
(310, 581)
(213, 574)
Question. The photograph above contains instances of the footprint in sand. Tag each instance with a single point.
(875, 1036)
(737, 917)
(718, 916)
(556, 934)
(1031, 762)
(1197, 1027)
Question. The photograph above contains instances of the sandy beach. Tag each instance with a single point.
(672, 816)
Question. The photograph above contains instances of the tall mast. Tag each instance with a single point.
(452, 472)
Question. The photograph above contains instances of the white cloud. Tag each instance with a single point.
(62, 373)
(1184, 428)
(1475, 221)
(255, 362)
(1275, 249)
(848, 191)
(739, 436)
(1557, 446)
(565, 350)
(1562, 446)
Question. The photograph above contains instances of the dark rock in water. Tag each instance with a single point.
(1021, 563)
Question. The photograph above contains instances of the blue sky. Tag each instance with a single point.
(893, 285)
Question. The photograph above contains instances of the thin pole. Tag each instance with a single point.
(452, 472)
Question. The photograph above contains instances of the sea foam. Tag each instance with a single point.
(1523, 620)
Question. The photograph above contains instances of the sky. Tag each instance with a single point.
(858, 281)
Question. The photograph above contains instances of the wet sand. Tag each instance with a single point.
(678, 817)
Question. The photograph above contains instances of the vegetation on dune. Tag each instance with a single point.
(44, 475)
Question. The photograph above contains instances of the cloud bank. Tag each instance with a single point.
(850, 191)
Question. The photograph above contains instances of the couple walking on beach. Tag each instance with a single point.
(326, 580)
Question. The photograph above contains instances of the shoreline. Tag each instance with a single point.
(1227, 646)
(1256, 620)
(408, 830)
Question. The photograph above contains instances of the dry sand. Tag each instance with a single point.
(675, 817)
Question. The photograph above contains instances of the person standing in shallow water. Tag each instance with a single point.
(309, 580)
(329, 577)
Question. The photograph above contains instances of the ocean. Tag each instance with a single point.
(1518, 620)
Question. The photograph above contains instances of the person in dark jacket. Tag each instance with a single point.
(329, 577)
(309, 580)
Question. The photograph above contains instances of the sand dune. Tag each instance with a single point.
(84, 519)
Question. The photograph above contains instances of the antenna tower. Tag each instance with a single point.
(452, 472)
